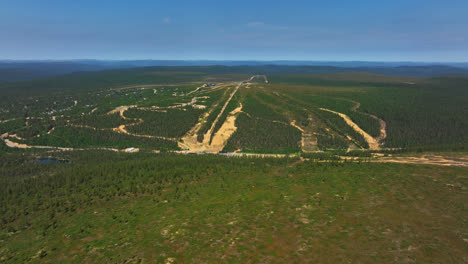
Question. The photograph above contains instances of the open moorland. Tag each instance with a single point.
(239, 165)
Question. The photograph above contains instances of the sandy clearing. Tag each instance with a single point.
(51, 130)
(459, 161)
(225, 132)
(16, 136)
(372, 142)
(8, 120)
(258, 76)
(121, 110)
(207, 137)
(122, 128)
(190, 142)
(382, 123)
(198, 89)
(293, 123)
(179, 105)
(383, 128)
(309, 141)
(149, 86)
(12, 144)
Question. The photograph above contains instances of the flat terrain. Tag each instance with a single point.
(236, 165)
(135, 207)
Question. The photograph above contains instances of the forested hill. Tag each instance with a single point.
(20, 71)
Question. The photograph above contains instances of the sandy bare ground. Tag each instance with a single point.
(121, 110)
(16, 136)
(50, 131)
(164, 108)
(8, 120)
(148, 86)
(207, 136)
(425, 159)
(190, 142)
(383, 125)
(372, 142)
(225, 132)
(308, 139)
(256, 155)
(122, 128)
(198, 89)
(293, 123)
(12, 144)
(258, 76)
(429, 159)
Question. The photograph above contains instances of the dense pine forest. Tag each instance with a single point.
(173, 206)
(220, 164)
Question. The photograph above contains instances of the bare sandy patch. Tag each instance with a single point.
(429, 159)
(309, 141)
(372, 142)
(382, 123)
(226, 131)
(190, 142)
(121, 110)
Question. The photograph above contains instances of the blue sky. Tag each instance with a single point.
(397, 30)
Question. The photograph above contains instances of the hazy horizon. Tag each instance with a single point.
(233, 60)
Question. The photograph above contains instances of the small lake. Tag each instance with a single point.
(51, 160)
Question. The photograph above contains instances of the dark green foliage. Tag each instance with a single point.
(423, 115)
(253, 107)
(101, 121)
(101, 175)
(263, 136)
(172, 123)
(85, 137)
(338, 124)
(11, 125)
(331, 142)
(106, 206)
(366, 123)
(286, 106)
(429, 114)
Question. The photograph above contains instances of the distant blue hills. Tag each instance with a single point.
(18, 70)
